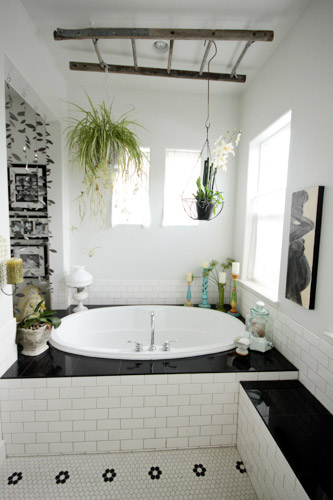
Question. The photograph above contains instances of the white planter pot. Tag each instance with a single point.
(34, 342)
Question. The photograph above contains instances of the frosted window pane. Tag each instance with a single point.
(274, 153)
(182, 168)
(130, 198)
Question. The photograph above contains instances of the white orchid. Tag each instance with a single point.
(225, 145)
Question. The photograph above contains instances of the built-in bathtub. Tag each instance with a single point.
(112, 332)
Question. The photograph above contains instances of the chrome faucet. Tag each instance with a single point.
(152, 346)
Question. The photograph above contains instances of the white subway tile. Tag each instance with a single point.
(59, 404)
(98, 414)
(200, 420)
(82, 404)
(107, 424)
(34, 405)
(120, 412)
(71, 392)
(61, 448)
(223, 398)
(36, 449)
(47, 416)
(134, 401)
(85, 447)
(59, 382)
(179, 442)
(96, 392)
(154, 422)
(33, 382)
(189, 410)
(101, 435)
(20, 416)
(11, 406)
(155, 401)
(178, 400)
(201, 399)
(47, 393)
(23, 437)
(132, 444)
(71, 414)
(120, 390)
(15, 449)
(167, 411)
(199, 441)
(144, 412)
(9, 428)
(132, 380)
(179, 379)
(143, 433)
(177, 421)
(167, 390)
(131, 423)
(144, 390)
(211, 409)
(48, 437)
(108, 446)
(21, 394)
(154, 443)
(167, 432)
(60, 426)
(120, 434)
(66, 437)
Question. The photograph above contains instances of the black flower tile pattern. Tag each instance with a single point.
(155, 473)
(62, 477)
(199, 470)
(15, 478)
(109, 475)
(241, 467)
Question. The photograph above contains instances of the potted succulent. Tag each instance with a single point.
(207, 200)
(102, 147)
(34, 330)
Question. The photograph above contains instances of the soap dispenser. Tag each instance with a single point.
(260, 326)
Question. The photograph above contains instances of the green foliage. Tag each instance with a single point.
(39, 317)
(212, 271)
(205, 195)
(97, 143)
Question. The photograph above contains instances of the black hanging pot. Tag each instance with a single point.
(204, 210)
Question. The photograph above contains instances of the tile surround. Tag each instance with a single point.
(285, 437)
(128, 292)
(309, 352)
(121, 413)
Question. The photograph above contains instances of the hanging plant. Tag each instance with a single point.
(103, 147)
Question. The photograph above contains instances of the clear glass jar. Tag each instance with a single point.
(260, 326)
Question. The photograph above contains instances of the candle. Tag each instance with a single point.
(14, 271)
(222, 277)
(205, 264)
(189, 276)
(235, 268)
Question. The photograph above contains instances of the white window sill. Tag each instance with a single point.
(261, 290)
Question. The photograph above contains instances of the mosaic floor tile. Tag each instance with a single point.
(192, 474)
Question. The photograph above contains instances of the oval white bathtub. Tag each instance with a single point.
(105, 332)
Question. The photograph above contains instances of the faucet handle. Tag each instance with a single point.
(138, 345)
(166, 344)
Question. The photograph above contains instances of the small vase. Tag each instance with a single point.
(34, 342)
(204, 210)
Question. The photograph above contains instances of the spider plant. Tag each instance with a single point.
(102, 147)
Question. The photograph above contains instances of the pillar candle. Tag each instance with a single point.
(205, 264)
(222, 277)
(14, 271)
(189, 276)
(235, 268)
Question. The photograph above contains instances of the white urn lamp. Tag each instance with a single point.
(79, 278)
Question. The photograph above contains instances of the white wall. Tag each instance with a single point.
(299, 77)
(171, 120)
(26, 61)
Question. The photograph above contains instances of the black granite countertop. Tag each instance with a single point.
(302, 428)
(55, 363)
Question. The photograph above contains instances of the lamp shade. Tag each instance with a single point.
(79, 277)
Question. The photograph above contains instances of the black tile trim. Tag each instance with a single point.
(302, 429)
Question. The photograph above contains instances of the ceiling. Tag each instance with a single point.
(276, 15)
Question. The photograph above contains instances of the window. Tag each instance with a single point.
(268, 170)
(182, 168)
(130, 198)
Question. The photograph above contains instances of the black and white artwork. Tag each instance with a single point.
(27, 187)
(304, 237)
(33, 258)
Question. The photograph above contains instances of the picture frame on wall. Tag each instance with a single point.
(29, 227)
(27, 187)
(33, 258)
(304, 239)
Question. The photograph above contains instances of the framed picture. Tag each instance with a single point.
(304, 237)
(27, 187)
(41, 227)
(34, 260)
(16, 230)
